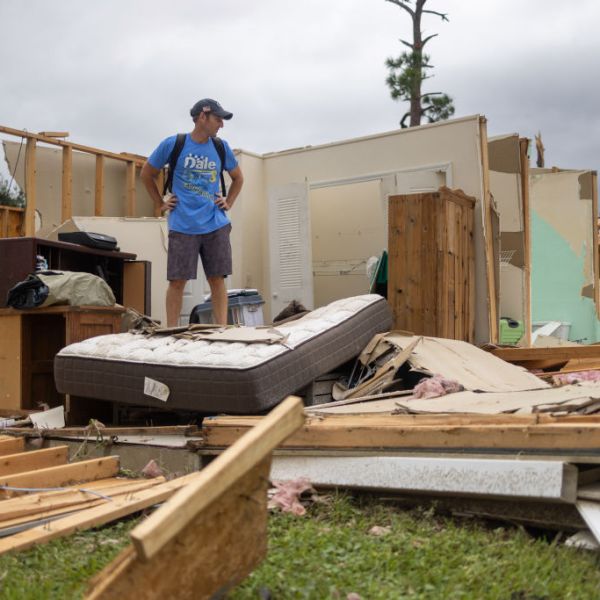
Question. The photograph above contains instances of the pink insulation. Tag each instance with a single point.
(432, 387)
(286, 495)
(576, 377)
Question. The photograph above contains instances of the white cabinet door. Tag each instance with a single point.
(290, 247)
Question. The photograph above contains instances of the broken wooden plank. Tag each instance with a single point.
(375, 431)
(96, 516)
(557, 354)
(185, 430)
(212, 533)
(86, 500)
(421, 419)
(11, 445)
(85, 470)
(30, 504)
(218, 477)
(35, 459)
(217, 549)
(551, 481)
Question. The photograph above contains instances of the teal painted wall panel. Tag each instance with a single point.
(557, 277)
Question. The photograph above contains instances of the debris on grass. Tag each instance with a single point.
(286, 495)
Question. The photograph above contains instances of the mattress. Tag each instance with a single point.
(220, 376)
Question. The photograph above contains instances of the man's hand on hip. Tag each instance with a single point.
(222, 203)
(169, 202)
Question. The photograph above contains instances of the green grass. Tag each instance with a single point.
(329, 553)
(62, 568)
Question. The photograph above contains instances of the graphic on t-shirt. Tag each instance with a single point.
(199, 175)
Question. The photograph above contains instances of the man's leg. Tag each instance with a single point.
(174, 301)
(218, 298)
(182, 265)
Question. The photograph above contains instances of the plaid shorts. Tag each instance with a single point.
(214, 249)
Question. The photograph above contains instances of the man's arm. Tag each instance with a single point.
(149, 176)
(237, 180)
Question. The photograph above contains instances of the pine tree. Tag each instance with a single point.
(409, 70)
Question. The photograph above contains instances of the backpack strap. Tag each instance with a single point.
(220, 148)
(177, 148)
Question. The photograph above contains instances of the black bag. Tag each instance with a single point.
(30, 293)
(178, 147)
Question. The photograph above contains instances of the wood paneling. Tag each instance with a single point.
(431, 264)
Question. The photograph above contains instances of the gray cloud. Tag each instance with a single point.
(123, 75)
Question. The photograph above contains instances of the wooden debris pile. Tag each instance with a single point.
(209, 535)
(508, 436)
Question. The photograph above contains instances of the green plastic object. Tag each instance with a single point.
(511, 331)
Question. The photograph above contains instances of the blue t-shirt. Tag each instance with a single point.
(195, 183)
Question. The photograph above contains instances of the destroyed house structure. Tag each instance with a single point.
(441, 389)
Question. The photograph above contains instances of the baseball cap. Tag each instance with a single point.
(208, 105)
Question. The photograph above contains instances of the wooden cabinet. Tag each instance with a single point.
(29, 341)
(18, 257)
(431, 272)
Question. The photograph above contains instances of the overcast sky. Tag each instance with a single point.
(123, 74)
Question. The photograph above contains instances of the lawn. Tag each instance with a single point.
(334, 551)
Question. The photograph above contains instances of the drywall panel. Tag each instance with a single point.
(503, 153)
(455, 142)
(562, 238)
(49, 184)
(552, 481)
(505, 184)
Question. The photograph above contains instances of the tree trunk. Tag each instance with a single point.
(415, 98)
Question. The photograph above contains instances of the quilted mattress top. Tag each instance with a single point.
(178, 352)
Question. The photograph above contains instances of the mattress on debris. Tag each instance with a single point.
(221, 376)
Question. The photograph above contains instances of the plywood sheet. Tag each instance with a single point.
(564, 399)
(474, 368)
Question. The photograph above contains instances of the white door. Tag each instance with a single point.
(290, 247)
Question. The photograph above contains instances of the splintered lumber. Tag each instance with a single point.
(50, 509)
(22, 506)
(215, 552)
(35, 459)
(552, 481)
(393, 432)
(555, 354)
(212, 533)
(185, 430)
(98, 515)
(11, 445)
(95, 517)
(85, 470)
(218, 477)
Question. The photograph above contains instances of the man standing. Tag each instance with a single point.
(198, 221)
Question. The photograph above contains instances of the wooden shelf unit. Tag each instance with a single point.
(29, 341)
(18, 258)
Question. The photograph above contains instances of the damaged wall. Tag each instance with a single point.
(453, 146)
(49, 184)
(564, 250)
(367, 169)
(507, 190)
